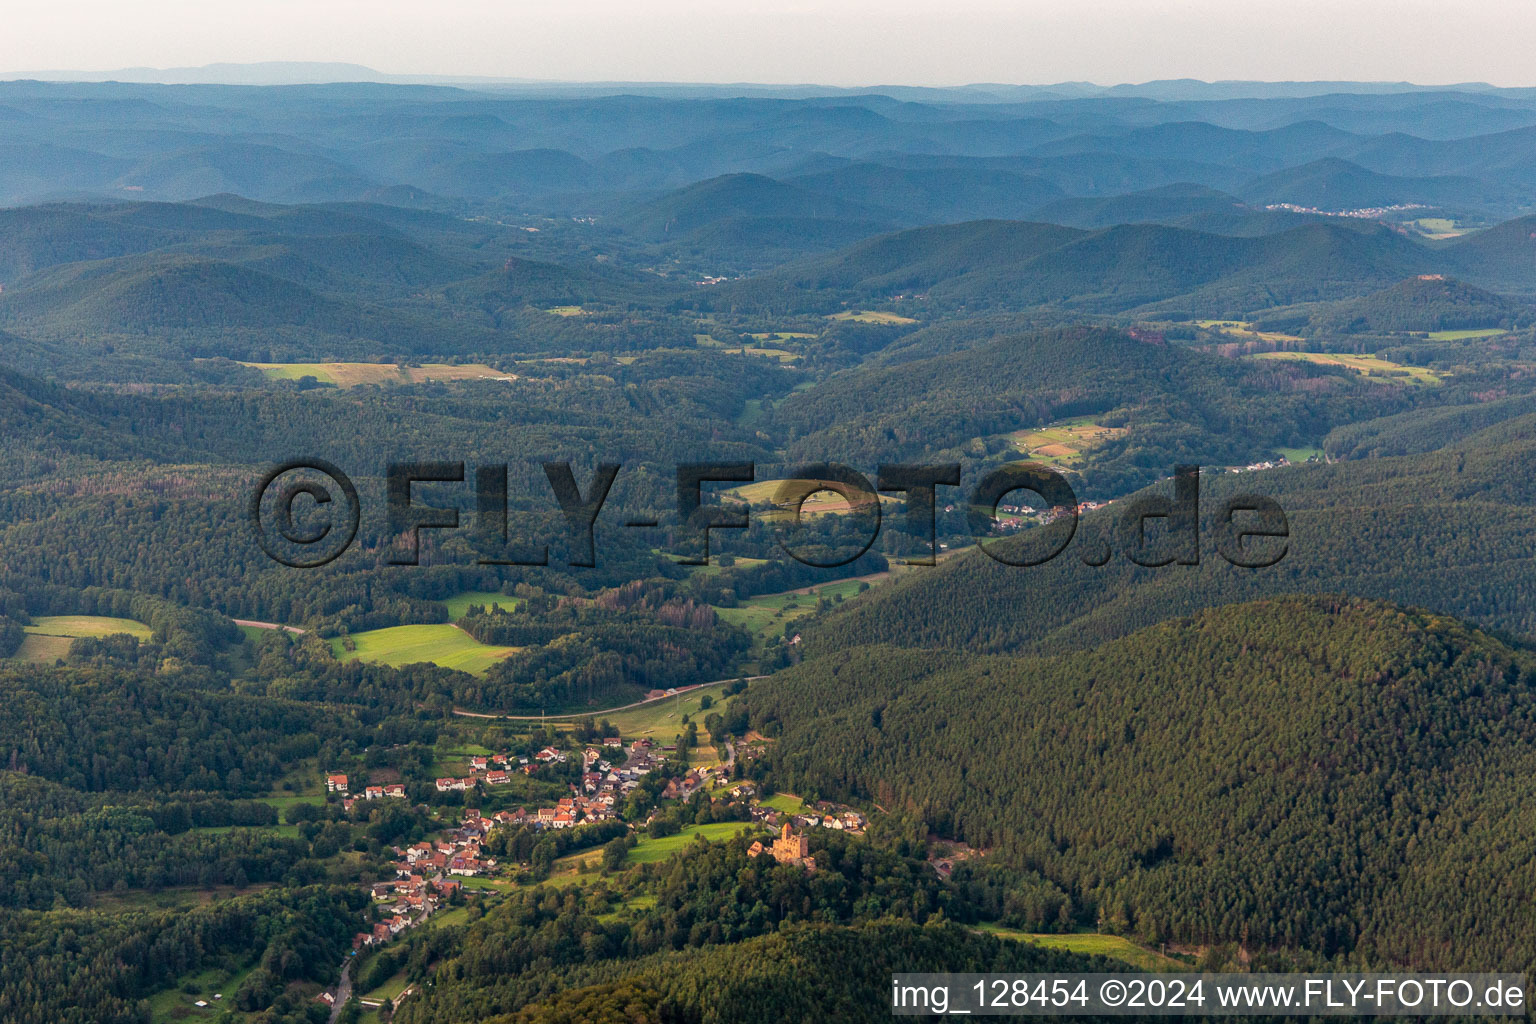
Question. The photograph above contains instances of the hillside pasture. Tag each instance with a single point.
(662, 720)
(1373, 367)
(1243, 329)
(767, 614)
(871, 316)
(822, 502)
(1065, 442)
(459, 604)
(1094, 944)
(48, 638)
(350, 375)
(1484, 332)
(445, 645)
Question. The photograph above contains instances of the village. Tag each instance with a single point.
(432, 872)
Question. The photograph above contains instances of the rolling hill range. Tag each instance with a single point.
(738, 197)
(1016, 265)
(1013, 265)
(1171, 204)
(1427, 303)
(166, 297)
(1334, 184)
(506, 152)
(1178, 404)
(936, 195)
(1445, 530)
(1339, 775)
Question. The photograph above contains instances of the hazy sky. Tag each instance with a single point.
(836, 42)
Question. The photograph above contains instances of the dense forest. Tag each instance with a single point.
(1300, 773)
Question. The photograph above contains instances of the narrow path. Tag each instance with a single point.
(606, 711)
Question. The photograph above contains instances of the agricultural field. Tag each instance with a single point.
(459, 604)
(1065, 442)
(647, 850)
(781, 354)
(781, 336)
(1484, 332)
(1095, 944)
(349, 375)
(870, 316)
(766, 615)
(566, 311)
(714, 568)
(1243, 329)
(763, 492)
(786, 803)
(444, 645)
(1300, 455)
(1439, 227)
(49, 636)
(662, 719)
(175, 1004)
(1370, 366)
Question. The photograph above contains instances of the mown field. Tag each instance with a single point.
(824, 502)
(348, 375)
(1064, 442)
(49, 636)
(445, 645)
(663, 719)
(1095, 944)
(767, 614)
(871, 316)
(1484, 332)
(1244, 329)
(459, 604)
(648, 851)
(786, 803)
(1371, 366)
(783, 355)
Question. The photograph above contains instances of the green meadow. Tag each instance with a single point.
(662, 719)
(349, 375)
(1486, 332)
(459, 604)
(648, 850)
(1373, 367)
(768, 613)
(871, 316)
(786, 803)
(1094, 944)
(48, 638)
(445, 645)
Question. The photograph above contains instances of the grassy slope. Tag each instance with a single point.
(444, 645)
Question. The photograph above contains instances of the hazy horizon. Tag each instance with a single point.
(858, 44)
(320, 72)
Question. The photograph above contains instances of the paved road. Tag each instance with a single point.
(343, 991)
(607, 711)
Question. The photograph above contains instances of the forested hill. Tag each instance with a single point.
(1015, 265)
(1449, 530)
(1179, 404)
(1330, 773)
